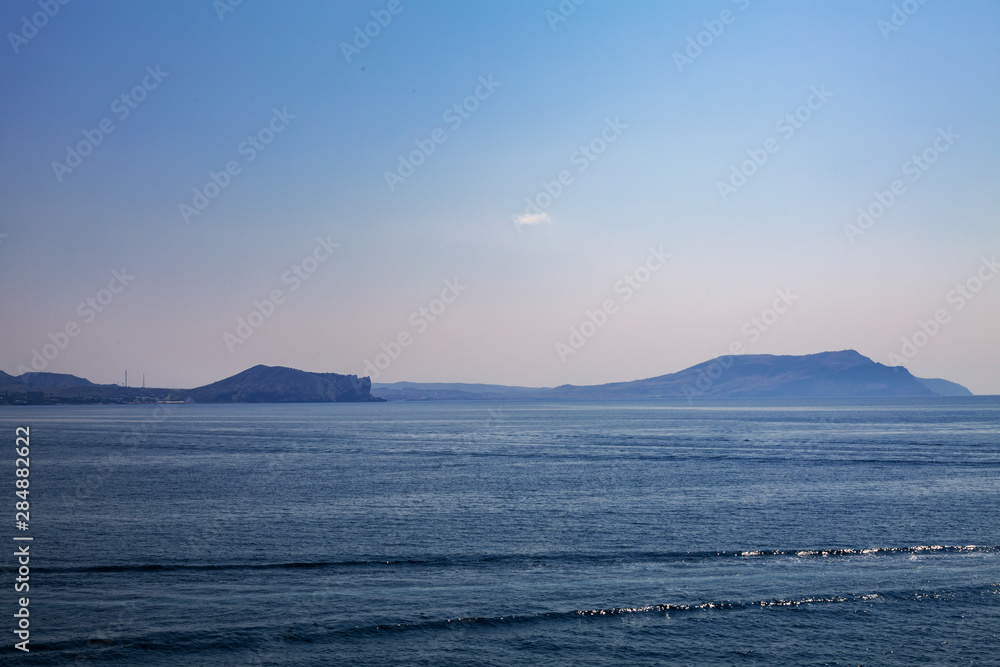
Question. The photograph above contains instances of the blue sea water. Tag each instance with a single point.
(823, 532)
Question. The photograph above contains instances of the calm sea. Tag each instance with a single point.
(825, 532)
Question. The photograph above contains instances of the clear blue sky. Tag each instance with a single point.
(672, 131)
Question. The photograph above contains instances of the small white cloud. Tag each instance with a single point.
(532, 219)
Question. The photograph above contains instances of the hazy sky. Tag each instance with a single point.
(739, 138)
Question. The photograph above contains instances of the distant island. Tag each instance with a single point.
(844, 374)
(260, 384)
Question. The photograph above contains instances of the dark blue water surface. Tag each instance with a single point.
(837, 533)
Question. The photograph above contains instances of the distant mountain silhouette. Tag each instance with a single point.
(260, 384)
(846, 374)
(827, 374)
(453, 391)
(278, 384)
(45, 381)
(945, 387)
